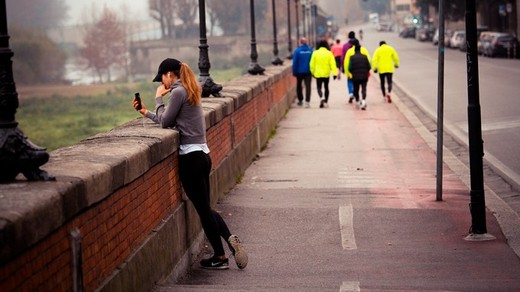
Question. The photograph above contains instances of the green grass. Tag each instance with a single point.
(59, 121)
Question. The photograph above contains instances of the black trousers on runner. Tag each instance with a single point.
(388, 78)
(194, 170)
(306, 80)
(360, 84)
(323, 82)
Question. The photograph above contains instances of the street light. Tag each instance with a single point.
(314, 15)
(304, 15)
(289, 41)
(276, 60)
(17, 153)
(296, 9)
(209, 87)
(254, 67)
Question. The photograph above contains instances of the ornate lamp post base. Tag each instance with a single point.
(19, 155)
(277, 61)
(255, 69)
(209, 87)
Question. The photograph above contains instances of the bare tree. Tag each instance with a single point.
(186, 10)
(229, 14)
(212, 15)
(105, 44)
(163, 11)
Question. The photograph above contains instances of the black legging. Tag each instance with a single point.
(388, 77)
(194, 170)
(325, 82)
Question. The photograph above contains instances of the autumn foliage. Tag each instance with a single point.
(105, 47)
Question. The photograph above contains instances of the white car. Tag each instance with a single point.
(457, 38)
(447, 36)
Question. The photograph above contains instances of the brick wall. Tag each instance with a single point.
(144, 193)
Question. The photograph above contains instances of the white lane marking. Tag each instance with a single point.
(349, 287)
(346, 225)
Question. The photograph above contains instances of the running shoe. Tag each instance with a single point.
(238, 250)
(214, 263)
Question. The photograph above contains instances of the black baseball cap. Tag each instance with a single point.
(167, 65)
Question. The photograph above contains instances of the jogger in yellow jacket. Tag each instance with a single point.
(322, 65)
(384, 61)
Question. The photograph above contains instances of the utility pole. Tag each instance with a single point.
(478, 230)
(440, 102)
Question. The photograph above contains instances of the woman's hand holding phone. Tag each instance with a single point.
(138, 104)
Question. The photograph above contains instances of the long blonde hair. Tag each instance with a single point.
(190, 83)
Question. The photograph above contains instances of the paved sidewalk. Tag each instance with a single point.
(344, 200)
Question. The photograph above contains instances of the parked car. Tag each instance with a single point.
(503, 45)
(408, 32)
(457, 38)
(424, 33)
(483, 41)
(385, 26)
(447, 36)
(480, 29)
(463, 44)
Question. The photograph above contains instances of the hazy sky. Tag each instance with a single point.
(79, 10)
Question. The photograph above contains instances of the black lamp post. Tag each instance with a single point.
(276, 60)
(312, 30)
(254, 67)
(17, 153)
(289, 42)
(296, 9)
(209, 87)
(304, 15)
(478, 230)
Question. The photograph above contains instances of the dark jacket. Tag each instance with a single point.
(359, 66)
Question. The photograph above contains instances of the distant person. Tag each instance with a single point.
(346, 47)
(302, 71)
(337, 51)
(360, 34)
(184, 112)
(322, 66)
(385, 60)
(357, 62)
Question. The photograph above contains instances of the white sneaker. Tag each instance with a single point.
(363, 104)
(239, 253)
(307, 104)
(326, 104)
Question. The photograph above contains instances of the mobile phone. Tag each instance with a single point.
(138, 98)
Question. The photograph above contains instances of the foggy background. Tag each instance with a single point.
(61, 41)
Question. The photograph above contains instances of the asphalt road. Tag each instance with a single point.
(498, 82)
